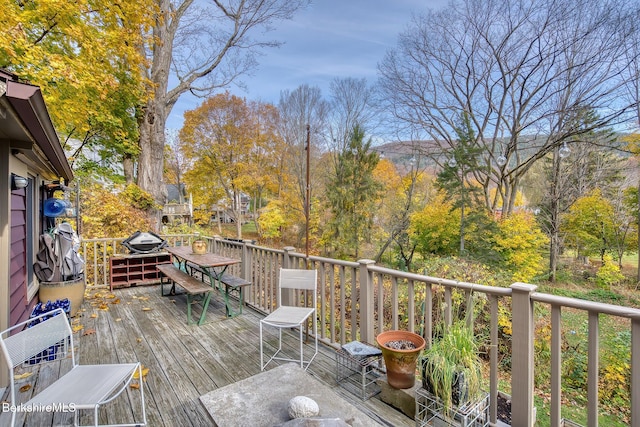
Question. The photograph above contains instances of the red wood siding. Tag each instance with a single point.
(18, 304)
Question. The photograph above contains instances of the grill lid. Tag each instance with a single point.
(144, 243)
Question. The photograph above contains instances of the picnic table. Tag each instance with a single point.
(213, 268)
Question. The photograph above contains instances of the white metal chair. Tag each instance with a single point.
(49, 337)
(293, 315)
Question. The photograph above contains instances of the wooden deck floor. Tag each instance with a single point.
(184, 361)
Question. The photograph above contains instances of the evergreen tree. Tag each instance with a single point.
(457, 180)
(351, 195)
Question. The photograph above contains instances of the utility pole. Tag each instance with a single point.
(307, 196)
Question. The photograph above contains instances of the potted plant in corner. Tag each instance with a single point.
(400, 350)
(451, 367)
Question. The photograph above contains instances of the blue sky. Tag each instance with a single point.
(331, 38)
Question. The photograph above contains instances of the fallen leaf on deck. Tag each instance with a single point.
(143, 298)
(118, 319)
(110, 296)
(139, 339)
(89, 332)
(78, 327)
(104, 307)
(94, 315)
(147, 308)
(25, 387)
(116, 301)
(23, 376)
(136, 374)
(135, 386)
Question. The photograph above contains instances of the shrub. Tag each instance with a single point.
(609, 274)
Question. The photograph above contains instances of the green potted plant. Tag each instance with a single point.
(451, 366)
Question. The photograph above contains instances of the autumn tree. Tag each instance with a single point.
(351, 196)
(303, 114)
(521, 244)
(573, 172)
(402, 195)
(198, 47)
(520, 70)
(633, 145)
(435, 229)
(111, 213)
(592, 226)
(263, 179)
(227, 140)
(86, 58)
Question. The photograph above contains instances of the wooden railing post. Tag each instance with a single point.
(287, 262)
(216, 240)
(247, 260)
(522, 354)
(367, 330)
(635, 372)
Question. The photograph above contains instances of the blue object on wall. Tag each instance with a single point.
(54, 207)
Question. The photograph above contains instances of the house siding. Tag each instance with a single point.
(18, 304)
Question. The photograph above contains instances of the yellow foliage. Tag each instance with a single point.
(633, 142)
(518, 202)
(85, 55)
(435, 229)
(272, 220)
(103, 212)
(385, 172)
(521, 242)
(504, 320)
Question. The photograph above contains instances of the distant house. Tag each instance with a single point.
(179, 207)
(225, 213)
(32, 163)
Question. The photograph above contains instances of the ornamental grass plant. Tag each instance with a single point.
(451, 367)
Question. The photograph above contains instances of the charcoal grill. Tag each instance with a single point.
(144, 243)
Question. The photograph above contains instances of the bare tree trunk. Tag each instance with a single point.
(554, 217)
(227, 23)
(239, 225)
(150, 170)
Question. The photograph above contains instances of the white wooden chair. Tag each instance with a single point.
(294, 315)
(82, 387)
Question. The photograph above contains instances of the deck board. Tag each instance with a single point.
(184, 361)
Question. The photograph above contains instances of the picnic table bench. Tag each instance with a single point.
(233, 286)
(191, 285)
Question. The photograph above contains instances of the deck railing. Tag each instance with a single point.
(357, 300)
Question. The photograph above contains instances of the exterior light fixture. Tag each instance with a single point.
(18, 182)
(564, 151)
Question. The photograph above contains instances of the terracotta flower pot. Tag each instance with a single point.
(400, 363)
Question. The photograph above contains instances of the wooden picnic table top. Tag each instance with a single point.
(206, 260)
